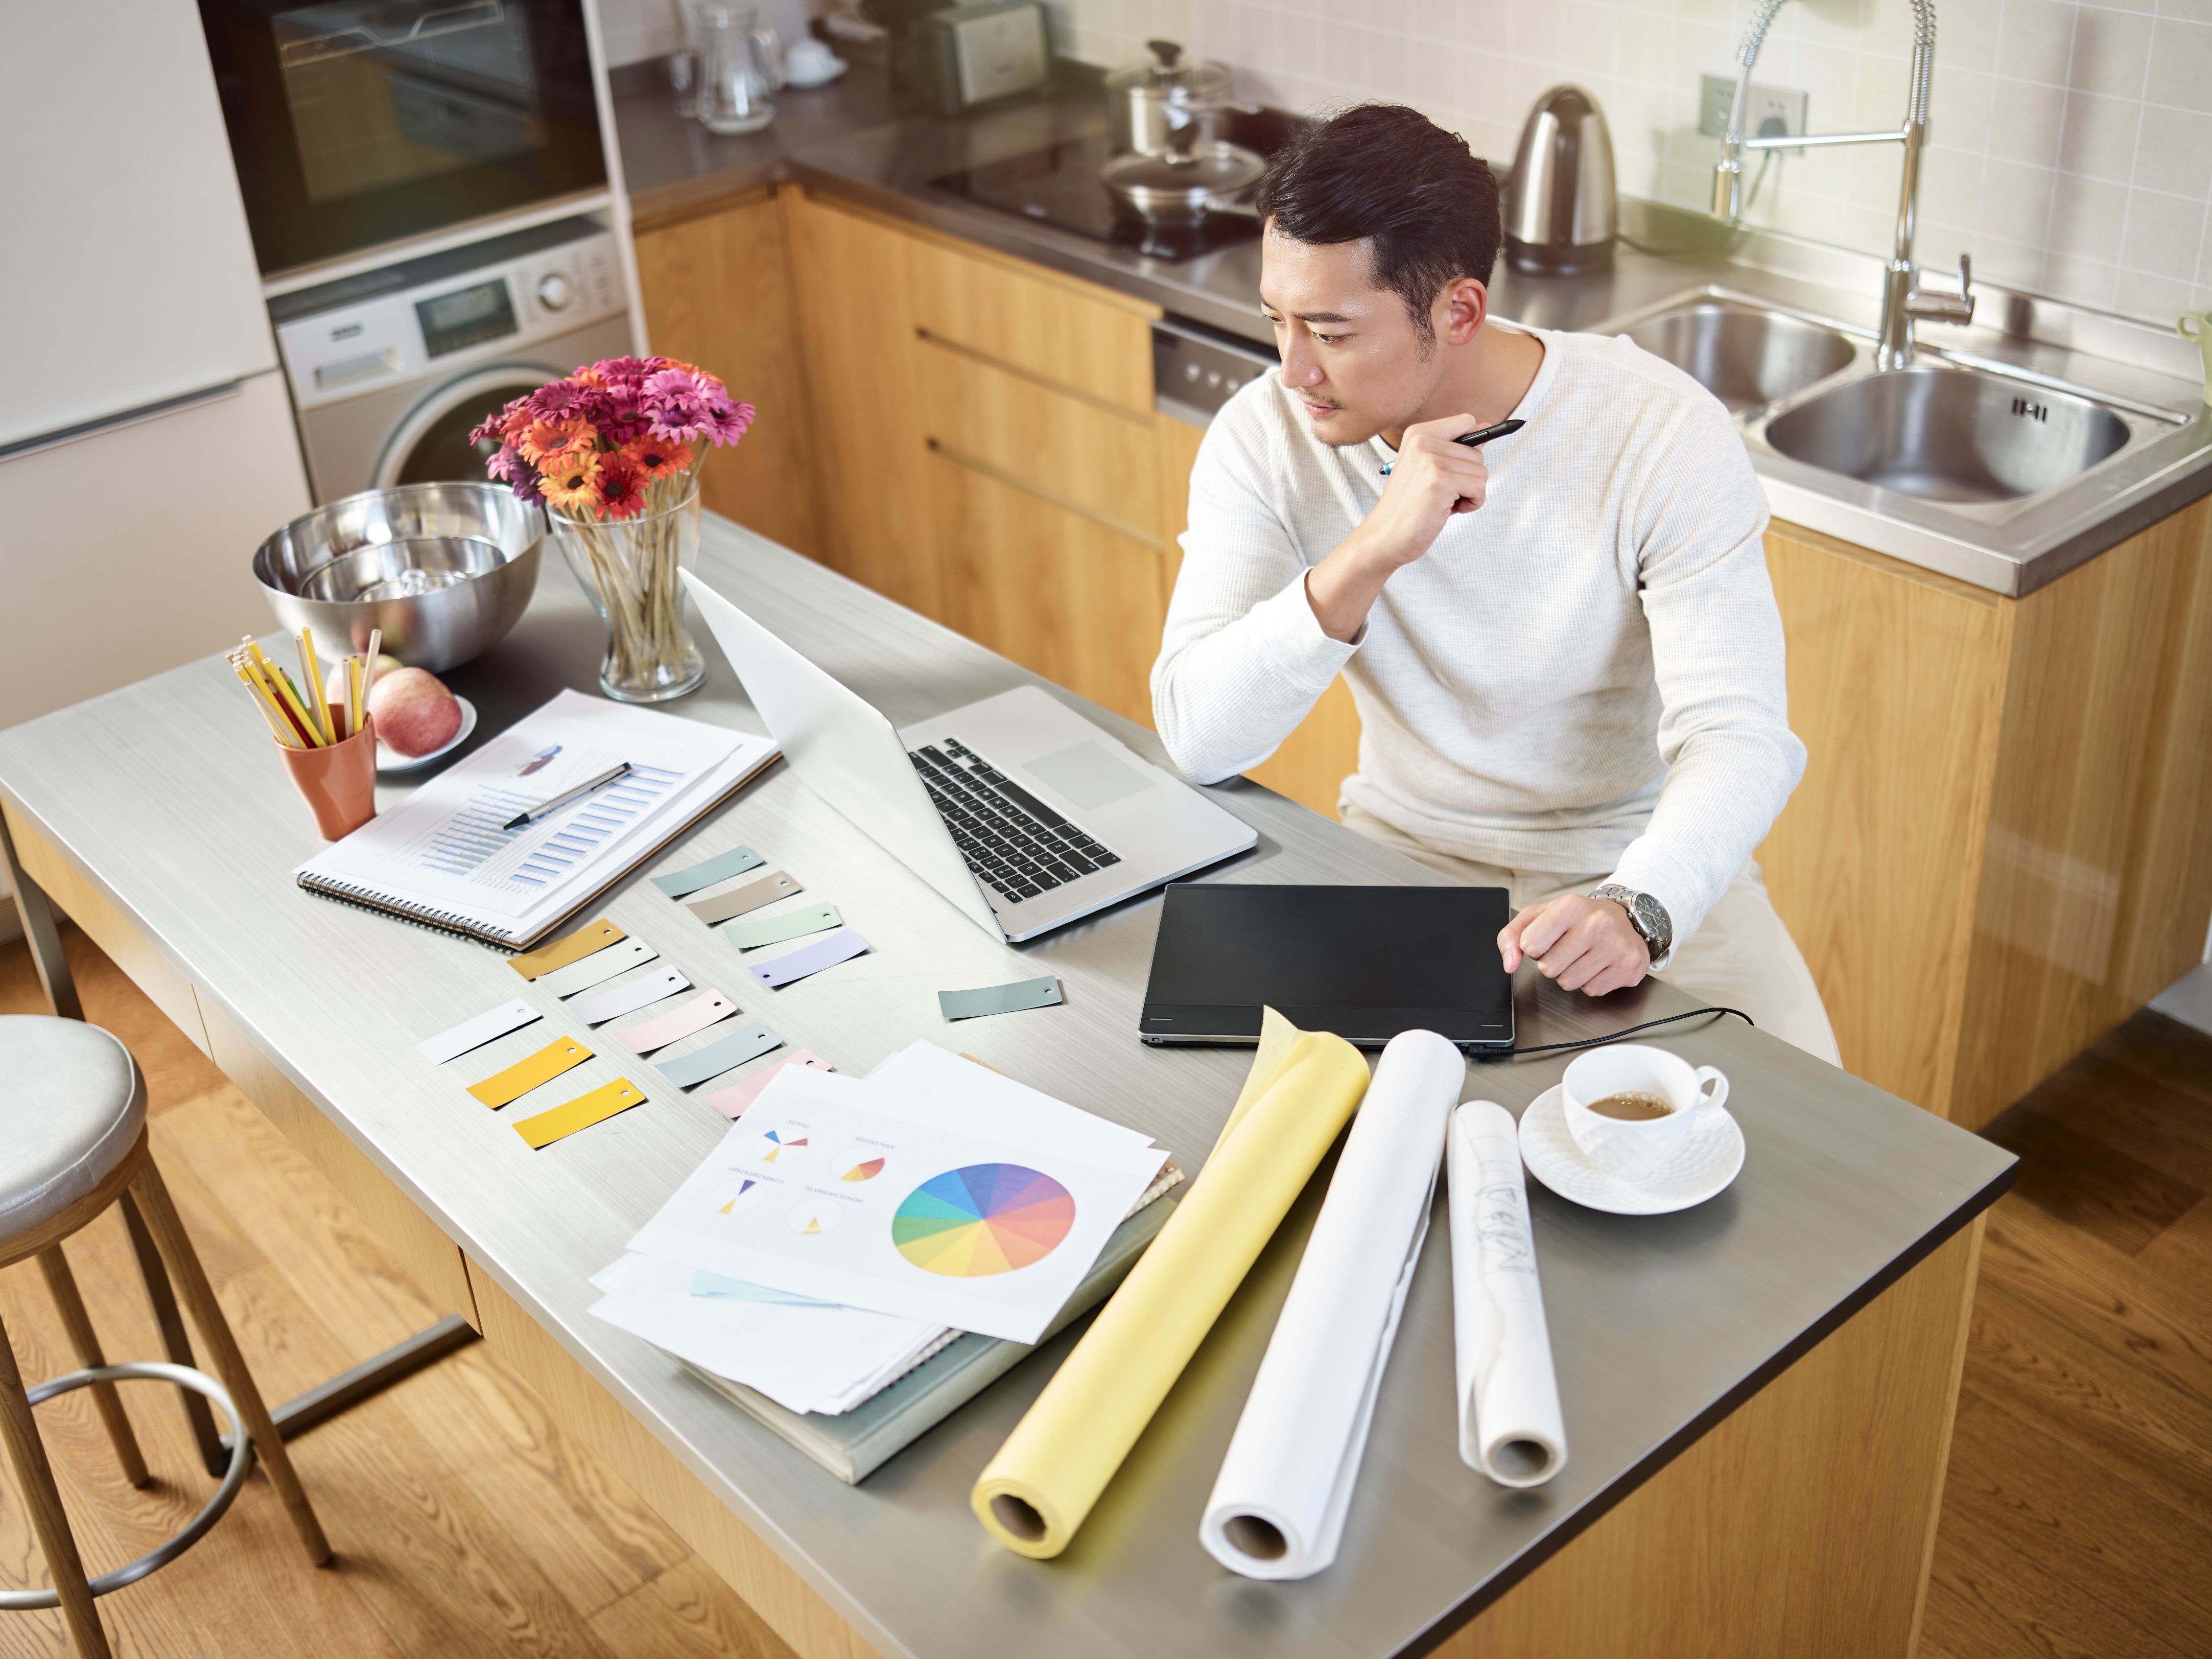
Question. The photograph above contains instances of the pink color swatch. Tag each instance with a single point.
(696, 1015)
(733, 1101)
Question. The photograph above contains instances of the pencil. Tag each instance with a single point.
(311, 670)
(264, 677)
(281, 683)
(357, 692)
(369, 664)
(278, 726)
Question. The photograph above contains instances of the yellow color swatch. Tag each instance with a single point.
(1037, 1492)
(581, 1113)
(563, 1054)
(592, 936)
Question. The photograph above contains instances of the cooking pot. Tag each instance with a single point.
(1169, 107)
(1183, 188)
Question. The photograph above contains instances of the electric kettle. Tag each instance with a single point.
(1560, 209)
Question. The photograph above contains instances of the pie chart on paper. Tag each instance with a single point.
(983, 1219)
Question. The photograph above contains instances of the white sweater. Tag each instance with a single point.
(1584, 675)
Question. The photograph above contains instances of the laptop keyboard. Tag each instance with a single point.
(1012, 841)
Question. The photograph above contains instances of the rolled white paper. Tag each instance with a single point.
(1509, 1425)
(1279, 1505)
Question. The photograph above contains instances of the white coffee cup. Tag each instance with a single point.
(808, 62)
(1635, 1148)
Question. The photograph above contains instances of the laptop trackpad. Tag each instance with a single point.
(1088, 775)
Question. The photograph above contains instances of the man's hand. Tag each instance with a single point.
(1432, 479)
(1582, 944)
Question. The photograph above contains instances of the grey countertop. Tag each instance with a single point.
(848, 139)
(167, 795)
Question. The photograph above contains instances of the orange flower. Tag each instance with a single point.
(541, 440)
(656, 457)
(570, 480)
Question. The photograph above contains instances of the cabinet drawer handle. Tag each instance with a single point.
(1052, 498)
(1034, 378)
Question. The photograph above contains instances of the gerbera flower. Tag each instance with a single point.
(656, 457)
(542, 439)
(622, 490)
(570, 482)
(496, 426)
(726, 421)
(676, 405)
(555, 400)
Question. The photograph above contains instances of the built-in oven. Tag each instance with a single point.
(354, 123)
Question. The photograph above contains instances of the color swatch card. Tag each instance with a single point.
(581, 1113)
(1000, 999)
(677, 1023)
(757, 931)
(794, 965)
(733, 1101)
(717, 1058)
(563, 1054)
(738, 900)
(735, 862)
(582, 976)
(628, 998)
(592, 936)
(475, 1033)
(814, 1193)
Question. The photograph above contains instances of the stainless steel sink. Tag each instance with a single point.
(1942, 433)
(1746, 355)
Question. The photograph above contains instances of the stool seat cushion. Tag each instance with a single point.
(71, 1106)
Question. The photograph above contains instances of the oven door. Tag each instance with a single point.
(354, 123)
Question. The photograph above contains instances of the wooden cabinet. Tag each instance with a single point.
(717, 292)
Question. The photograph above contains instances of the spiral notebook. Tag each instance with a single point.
(446, 857)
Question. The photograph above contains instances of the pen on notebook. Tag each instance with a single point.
(566, 796)
(1472, 439)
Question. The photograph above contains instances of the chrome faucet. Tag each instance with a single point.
(1903, 302)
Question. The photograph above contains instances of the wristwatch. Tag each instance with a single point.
(1647, 916)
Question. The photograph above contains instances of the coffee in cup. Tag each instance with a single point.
(1630, 1108)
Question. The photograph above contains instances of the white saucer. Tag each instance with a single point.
(791, 80)
(1703, 1168)
(390, 760)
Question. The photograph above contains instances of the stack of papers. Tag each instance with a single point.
(445, 855)
(848, 1228)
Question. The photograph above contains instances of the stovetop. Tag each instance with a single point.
(1060, 186)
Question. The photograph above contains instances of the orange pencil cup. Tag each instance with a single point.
(339, 783)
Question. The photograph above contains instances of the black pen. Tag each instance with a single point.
(566, 796)
(1502, 430)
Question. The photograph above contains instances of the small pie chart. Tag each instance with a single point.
(983, 1219)
(780, 1146)
(865, 1169)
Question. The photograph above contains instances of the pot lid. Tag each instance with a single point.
(1169, 73)
(1208, 171)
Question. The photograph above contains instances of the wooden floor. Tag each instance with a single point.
(2077, 1521)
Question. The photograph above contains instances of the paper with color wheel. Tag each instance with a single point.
(733, 1101)
(717, 1058)
(1035, 1494)
(592, 936)
(1279, 1505)
(1000, 999)
(600, 965)
(738, 900)
(628, 998)
(751, 934)
(562, 1055)
(735, 862)
(841, 946)
(1509, 1423)
(581, 1113)
(677, 1023)
(486, 1027)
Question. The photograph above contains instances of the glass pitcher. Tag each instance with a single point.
(737, 87)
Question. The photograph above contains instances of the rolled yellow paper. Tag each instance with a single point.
(1035, 1494)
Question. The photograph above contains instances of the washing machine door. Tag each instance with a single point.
(431, 445)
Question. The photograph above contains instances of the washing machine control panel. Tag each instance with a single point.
(445, 311)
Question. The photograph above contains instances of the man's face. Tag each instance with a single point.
(1351, 350)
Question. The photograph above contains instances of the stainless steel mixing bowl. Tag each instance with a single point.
(445, 569)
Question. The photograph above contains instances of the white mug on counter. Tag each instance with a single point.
(1630, 1108)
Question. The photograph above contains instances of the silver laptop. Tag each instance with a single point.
(1020, 811)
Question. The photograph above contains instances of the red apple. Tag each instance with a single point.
(413, 711)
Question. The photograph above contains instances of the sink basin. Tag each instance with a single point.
(1949, 435)
(1744, 355)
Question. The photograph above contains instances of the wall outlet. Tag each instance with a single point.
(1716, 93)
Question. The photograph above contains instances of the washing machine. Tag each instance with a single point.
(391, 368)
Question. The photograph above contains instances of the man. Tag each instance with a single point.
(1564, 647)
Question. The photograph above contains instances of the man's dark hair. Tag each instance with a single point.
(1388, 175)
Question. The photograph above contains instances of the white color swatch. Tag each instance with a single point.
(475, 1033)
(1279, 1505)
(628, 999)
(584, 972)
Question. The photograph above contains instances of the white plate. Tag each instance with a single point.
(1712, 1158)
(389, 759)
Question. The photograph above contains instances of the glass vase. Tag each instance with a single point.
(627, 567)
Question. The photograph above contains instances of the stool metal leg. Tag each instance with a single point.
(46, 940)
(85, 1343)
(27, 1456)
(229, 1363)
(176, 1343)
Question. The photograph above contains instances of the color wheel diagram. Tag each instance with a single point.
(983, 1219)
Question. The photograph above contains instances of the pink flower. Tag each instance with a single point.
(676, 404)
(727, 421)
(497, 427)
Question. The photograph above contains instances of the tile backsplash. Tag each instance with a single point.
(2071, 144)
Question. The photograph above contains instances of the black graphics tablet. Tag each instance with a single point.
(1366, 962)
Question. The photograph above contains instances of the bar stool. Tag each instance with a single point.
(73, 1123)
